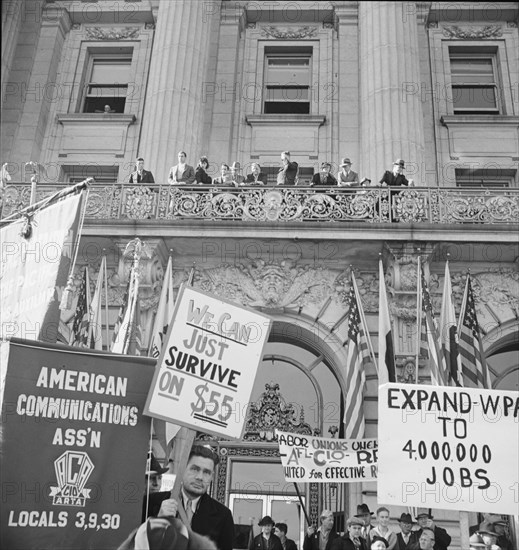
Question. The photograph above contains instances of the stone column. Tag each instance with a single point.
(173, 113)
(391, 111)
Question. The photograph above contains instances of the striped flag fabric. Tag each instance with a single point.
(358, 357)
(95, 337)
(386, 353)
(80, 324)
(431, 335)
(475, 373)
(449, 333)
(164, 312)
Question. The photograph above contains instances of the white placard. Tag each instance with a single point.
(449, 448)
(325, 460)
(208, 364)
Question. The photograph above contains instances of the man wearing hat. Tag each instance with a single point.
(347, 177)
(406, 539)
(154, 473)
(266, 540)
(364, 513)
(324, 537)
(288, 173)
(503, 541)
(441, 537)
(395, 178)
(352, 539)
(324, 177)
(237, 178)
(489, 536)
(476, 542)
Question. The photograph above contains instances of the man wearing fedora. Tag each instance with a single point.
(346, 176)
(266, 540)
(322, 538)
(406, 539)
(352, 539)
(364, 513)
(324, 177)
(395, 177)
(441, 537)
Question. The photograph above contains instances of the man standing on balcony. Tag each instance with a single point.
(324, 177)
(140, 175)
(288, 172)
(181, 173)
(396, 177)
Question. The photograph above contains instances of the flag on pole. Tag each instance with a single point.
(449, 334)
(474, 369)
(80, 324)
(386, 354)
(358, 357)
(95, 336)
(164, 312)
(430, 334)
(126, 338)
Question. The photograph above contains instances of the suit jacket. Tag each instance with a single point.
(442, 538)
(287, 175)
(401, 545)
(351, 178)
(330, 180)
(345, 543)
(273, 544)
(188, 176)
(147, 177)
(202, 177)
(290, 545)
(393, 181)
(215, 521)
(261, 177)
(312, 542)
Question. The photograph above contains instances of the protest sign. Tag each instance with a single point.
(448, 448)
(208, 364)
(323, 460)
(33, 268)
(73, 448)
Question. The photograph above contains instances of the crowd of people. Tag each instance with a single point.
(210, 524)
(183, 173)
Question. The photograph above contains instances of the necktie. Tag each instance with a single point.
(189, 510)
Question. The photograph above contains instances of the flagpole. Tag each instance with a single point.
(106, 299)
(418, 315)
(363, 320)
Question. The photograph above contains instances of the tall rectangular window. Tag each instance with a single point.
(474, 83)
(287, 83)
(107, 84)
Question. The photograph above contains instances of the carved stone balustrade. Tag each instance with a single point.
(286, 204)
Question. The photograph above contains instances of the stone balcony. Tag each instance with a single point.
(373, 205)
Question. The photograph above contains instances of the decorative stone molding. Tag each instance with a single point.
(407, 366)
(288, 33)
(473, 33)
(149, 26)
(111, 33)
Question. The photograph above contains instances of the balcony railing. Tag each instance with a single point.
(286, 204)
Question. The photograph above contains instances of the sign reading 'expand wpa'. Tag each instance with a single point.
(449, 448)
(208, 364)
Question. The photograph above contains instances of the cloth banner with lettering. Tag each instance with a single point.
(73, 446)
(448, 448)
(324, 460)
(208, 364)
(34, 270)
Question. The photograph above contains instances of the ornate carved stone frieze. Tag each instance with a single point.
(288, 33)
(272, 412)
(472, 33)
(406, 369)
(111, 33)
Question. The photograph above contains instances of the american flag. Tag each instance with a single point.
(127, 335)
(430, 336)
(474, 370)
(358, 357)
(80, 324)
(386, 354)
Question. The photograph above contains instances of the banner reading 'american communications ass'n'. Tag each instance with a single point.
(35, 261)
(73, 447)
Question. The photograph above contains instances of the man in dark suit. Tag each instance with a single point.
(352, 539)
(396, 177)
(324, 178)
(406, 539)
(266, 540)
(181, 173)
(207, 516)
(442, 539)
(288, 172)
(280, 531)
(140, 175)
(256, 177)
(325, 534)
